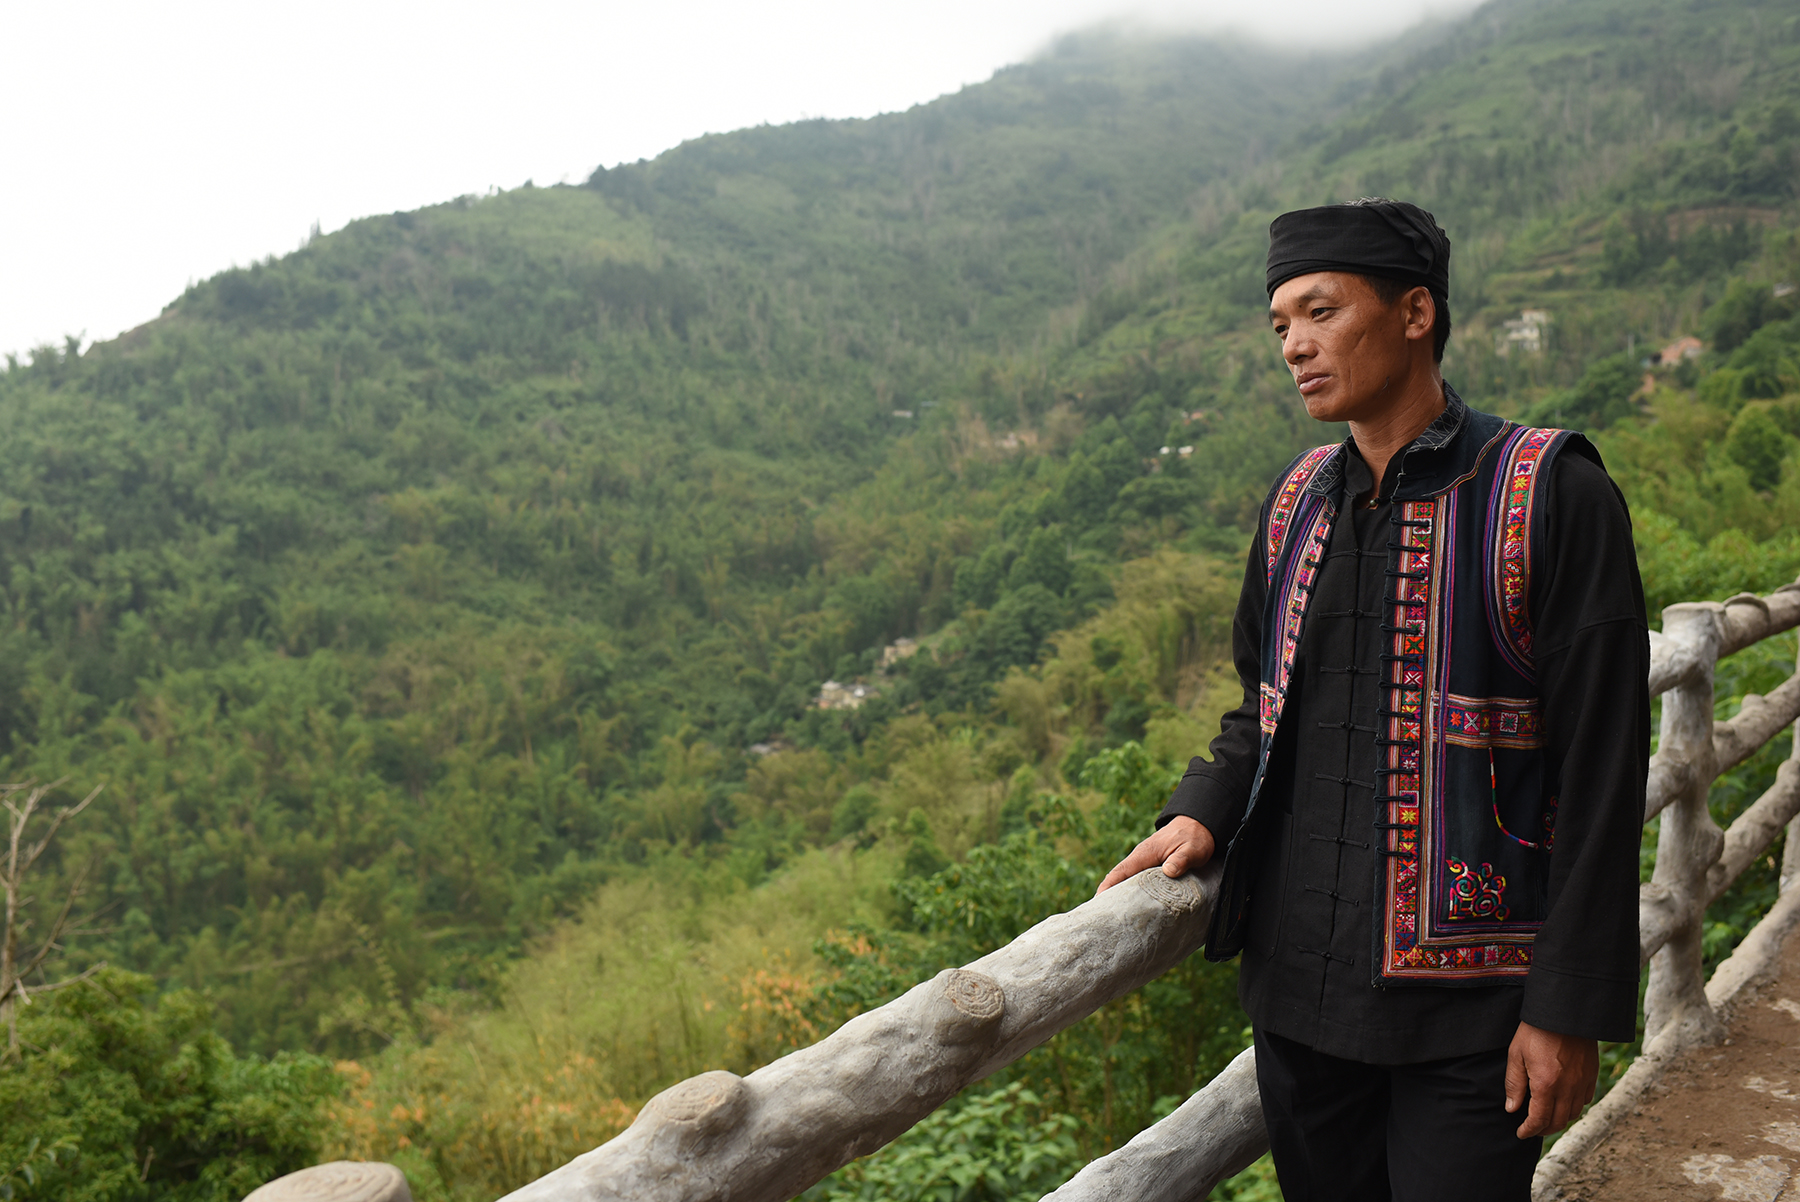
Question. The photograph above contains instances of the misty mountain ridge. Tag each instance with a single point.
(447, 604)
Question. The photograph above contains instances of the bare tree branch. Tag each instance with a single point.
(22, 855)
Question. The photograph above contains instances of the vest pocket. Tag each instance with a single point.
(1493, 867)
(1517, 800)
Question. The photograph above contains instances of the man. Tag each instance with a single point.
(1430, 797)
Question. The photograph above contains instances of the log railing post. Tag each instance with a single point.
(766, 1137)
(1689, 840)
(1790, 856)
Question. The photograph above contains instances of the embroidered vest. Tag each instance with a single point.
(1466, 816)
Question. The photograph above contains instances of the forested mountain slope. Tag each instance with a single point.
(431, 584)
(400, 585)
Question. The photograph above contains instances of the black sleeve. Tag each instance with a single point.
(1216, 793)
(1592, 651)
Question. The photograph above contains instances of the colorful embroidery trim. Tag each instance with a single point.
(1447, 918)
(1296, 594)
(1471, 893)
(1486, 722)
(1287, 498)
(1405, 726)
(1515, 492)
(1303, 567)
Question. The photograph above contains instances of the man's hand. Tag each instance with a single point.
(1182, 844)
(1557, 1072)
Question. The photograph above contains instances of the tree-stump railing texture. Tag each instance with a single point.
(1696, 862)
(770, 1135)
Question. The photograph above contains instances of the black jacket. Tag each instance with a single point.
(1304, 869)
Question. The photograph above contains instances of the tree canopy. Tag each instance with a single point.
(444, 605)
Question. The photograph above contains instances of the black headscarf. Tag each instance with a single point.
(1386, 238)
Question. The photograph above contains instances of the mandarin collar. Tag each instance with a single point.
(1441, 457)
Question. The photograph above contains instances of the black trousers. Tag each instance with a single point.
(1342, 1131)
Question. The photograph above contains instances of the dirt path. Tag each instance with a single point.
(1723, 1123)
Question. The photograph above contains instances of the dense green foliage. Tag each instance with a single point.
(422, 595)
(117, 1096)
(407, 586)
(987, 1147)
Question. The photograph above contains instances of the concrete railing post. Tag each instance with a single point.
(1689, 841)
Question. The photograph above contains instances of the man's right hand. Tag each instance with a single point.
(1182, 845)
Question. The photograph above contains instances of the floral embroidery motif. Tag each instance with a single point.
(1477, 892)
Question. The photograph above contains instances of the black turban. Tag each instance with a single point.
(1386, 238)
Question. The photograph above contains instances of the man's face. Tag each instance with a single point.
(1349, 351)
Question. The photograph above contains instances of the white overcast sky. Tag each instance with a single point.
(150, 144)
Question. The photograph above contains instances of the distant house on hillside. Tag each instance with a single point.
(896, 651)
(835, 696)
(1524, 333)
(1682, 348)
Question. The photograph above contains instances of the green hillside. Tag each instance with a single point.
(421, 596)
(402, 586)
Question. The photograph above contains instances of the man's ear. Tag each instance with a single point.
(1419, 311)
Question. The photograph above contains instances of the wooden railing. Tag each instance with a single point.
(1695, 860)
(768, 1136)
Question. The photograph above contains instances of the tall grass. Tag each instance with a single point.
(677, 969)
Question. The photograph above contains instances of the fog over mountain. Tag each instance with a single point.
(168, 144)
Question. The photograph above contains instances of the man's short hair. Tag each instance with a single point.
(1389, 292)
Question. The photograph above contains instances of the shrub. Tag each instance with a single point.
(116, 1096)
